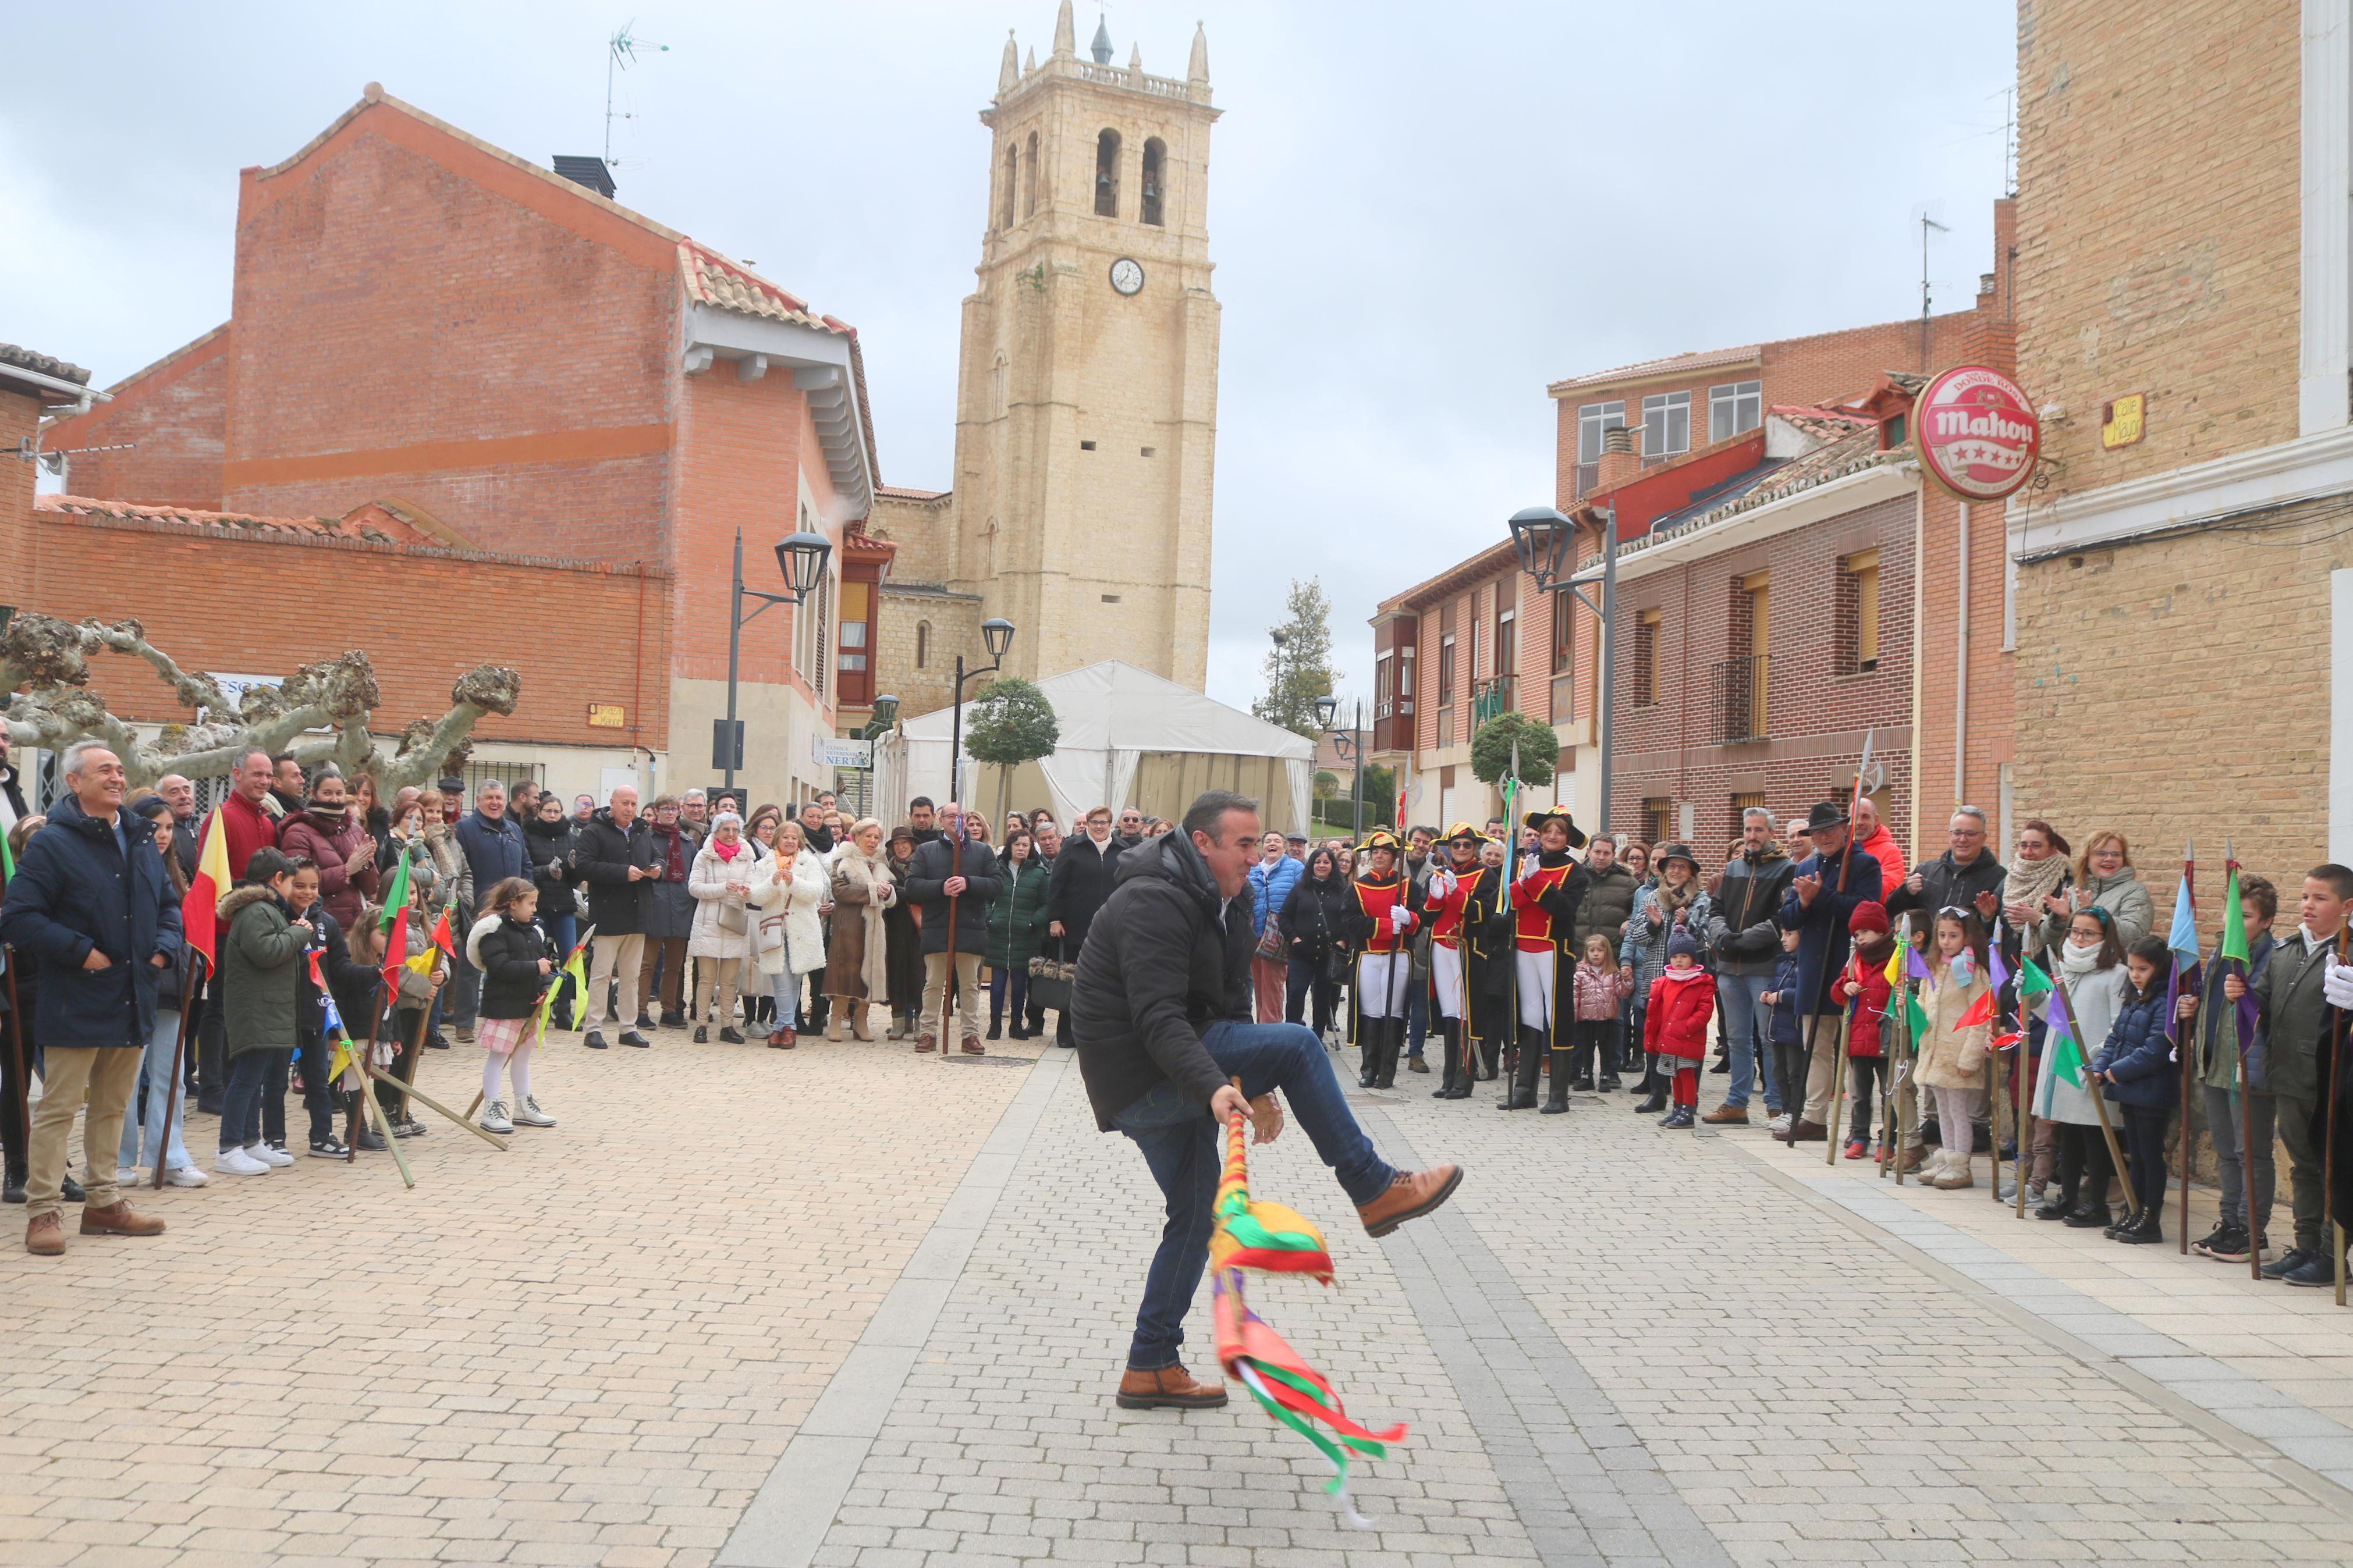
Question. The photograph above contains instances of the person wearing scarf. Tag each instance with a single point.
(2038, 871)
(724, 869)
(326, 831)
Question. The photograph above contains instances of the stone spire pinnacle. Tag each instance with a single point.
(1031, 63)
(1101, 48)
(1136, 58)
(1197, 71)
(1008, 74)
(1066, 33)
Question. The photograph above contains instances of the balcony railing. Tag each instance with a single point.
(1736, 690)
(1492, 699)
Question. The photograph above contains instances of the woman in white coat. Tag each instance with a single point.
(2091, 966)
(720, 880)
(789, 936)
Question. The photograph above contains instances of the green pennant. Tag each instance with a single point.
(2234, 921)
(1913, 1018)
(2032, 981)
(396, 898)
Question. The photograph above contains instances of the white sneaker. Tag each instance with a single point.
(1778, 1124)
(529, 1114)
(277, 1159)
(237, 1163)
(494, 1117)
(186, 1176)
(124, 1176)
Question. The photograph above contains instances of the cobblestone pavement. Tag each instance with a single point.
(848, 1307)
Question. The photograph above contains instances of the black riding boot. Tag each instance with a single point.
(1392, 1044)
(1524, 1078)
(1447, 1033)
(1490, 1048)
(1369, 1050)
(1557, 1101)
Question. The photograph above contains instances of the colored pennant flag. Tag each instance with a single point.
(1978, 1012)
(574, 973)
(2032, 981)
(1895, 963)
(1996, 973)
(2062, 1054)
(1252, 1233)
(1914, 964)
(199, 908)
(441, 936)
(2234, 925)
(396, 954)
(8, 861)
(2183, 938)
(395, 899)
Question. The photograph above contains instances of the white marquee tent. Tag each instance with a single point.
(1127, 738)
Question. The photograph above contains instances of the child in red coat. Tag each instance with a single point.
(1863, 985)
(1682, 1000)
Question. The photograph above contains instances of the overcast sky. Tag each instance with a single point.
(1420, 213)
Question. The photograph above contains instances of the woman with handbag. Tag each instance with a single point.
(787, 937)
(1309, 925)
(902, 957)
(857, 945)
(1017, 930)
(720, 881)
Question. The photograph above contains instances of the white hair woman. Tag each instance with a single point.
(863, 892)
(789, 937)
(721, 881)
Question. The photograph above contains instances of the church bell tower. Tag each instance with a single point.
(1087, 383)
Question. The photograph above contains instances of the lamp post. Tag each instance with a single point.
(1543, 536)
(801, 558)
(1350, 743)
(996, 633)
(885, 715)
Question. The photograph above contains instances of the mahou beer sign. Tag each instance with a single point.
(1977, 434)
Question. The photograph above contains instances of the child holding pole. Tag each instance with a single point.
(2091, 965)
(1953, 1049)
(2135, 1068)
(1862, 987)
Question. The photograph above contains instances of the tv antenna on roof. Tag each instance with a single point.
(1926, 223)
(620, 53)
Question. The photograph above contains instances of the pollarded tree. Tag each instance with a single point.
(45, 668)
(1010, 723)
(1299, 666)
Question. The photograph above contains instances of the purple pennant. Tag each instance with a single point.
(1915, 966)
(1996, 974)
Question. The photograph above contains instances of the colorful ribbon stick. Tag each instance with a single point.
(1273, 1239)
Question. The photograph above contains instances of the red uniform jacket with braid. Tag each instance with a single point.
(1369, 923)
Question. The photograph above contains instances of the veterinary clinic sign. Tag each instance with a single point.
(1977, 432)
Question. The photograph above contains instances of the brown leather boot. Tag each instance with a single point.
(973, 1048)
(119, 1218)
(1804, 1132)
(926, 1041)
(1411, 1195)
(1727, 1116)
(44, 1237)
(1170, 1388)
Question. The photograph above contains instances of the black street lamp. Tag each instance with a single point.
(997, 635)
(1350, 744)
(885, 716)
(801, 558)
(1543, 536)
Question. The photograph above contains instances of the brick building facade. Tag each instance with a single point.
(1742, 503)
(2183, 599)
(423, 319)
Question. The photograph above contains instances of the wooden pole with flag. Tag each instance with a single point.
(2232, 949)
(2099, 1098)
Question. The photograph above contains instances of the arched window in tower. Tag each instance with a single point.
(1004, 203)
(1030, 207)
(923, 644)
(1107, 175)
(1155, 161)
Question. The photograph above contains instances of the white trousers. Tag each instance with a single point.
(1446, 976)
(1535, 970)
(1381, 981)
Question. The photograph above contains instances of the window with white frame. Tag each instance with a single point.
(1733, 408)
(1666, 424)
(1594, 420)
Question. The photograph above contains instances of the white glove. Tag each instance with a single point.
(1441, 884)
(1398, 916)
(2336, 984)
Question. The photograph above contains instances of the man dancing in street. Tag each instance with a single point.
(1161, 1006)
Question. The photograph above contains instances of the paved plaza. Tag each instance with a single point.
(851, 1307)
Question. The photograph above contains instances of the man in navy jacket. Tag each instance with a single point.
(1828, 884)
(91, 907)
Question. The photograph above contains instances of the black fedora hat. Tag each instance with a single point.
(1824, 813)
(1676, 852)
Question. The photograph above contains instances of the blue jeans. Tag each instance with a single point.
(562, 931)
(1743, 997)
(155, 1077)
(1181, 1145)
(1002, 977)
(1416, 1018)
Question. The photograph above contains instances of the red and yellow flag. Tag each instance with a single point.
(198, 918)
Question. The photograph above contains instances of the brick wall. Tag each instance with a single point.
(19, 416)
(1815, 716)
(2158, 229)
(172, 414)
(2180, 689)
(423, 618)
(418, 319)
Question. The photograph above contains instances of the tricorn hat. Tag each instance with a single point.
(1536, 819)
(1379, 839)
(1824, 813)
(1464, 830)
